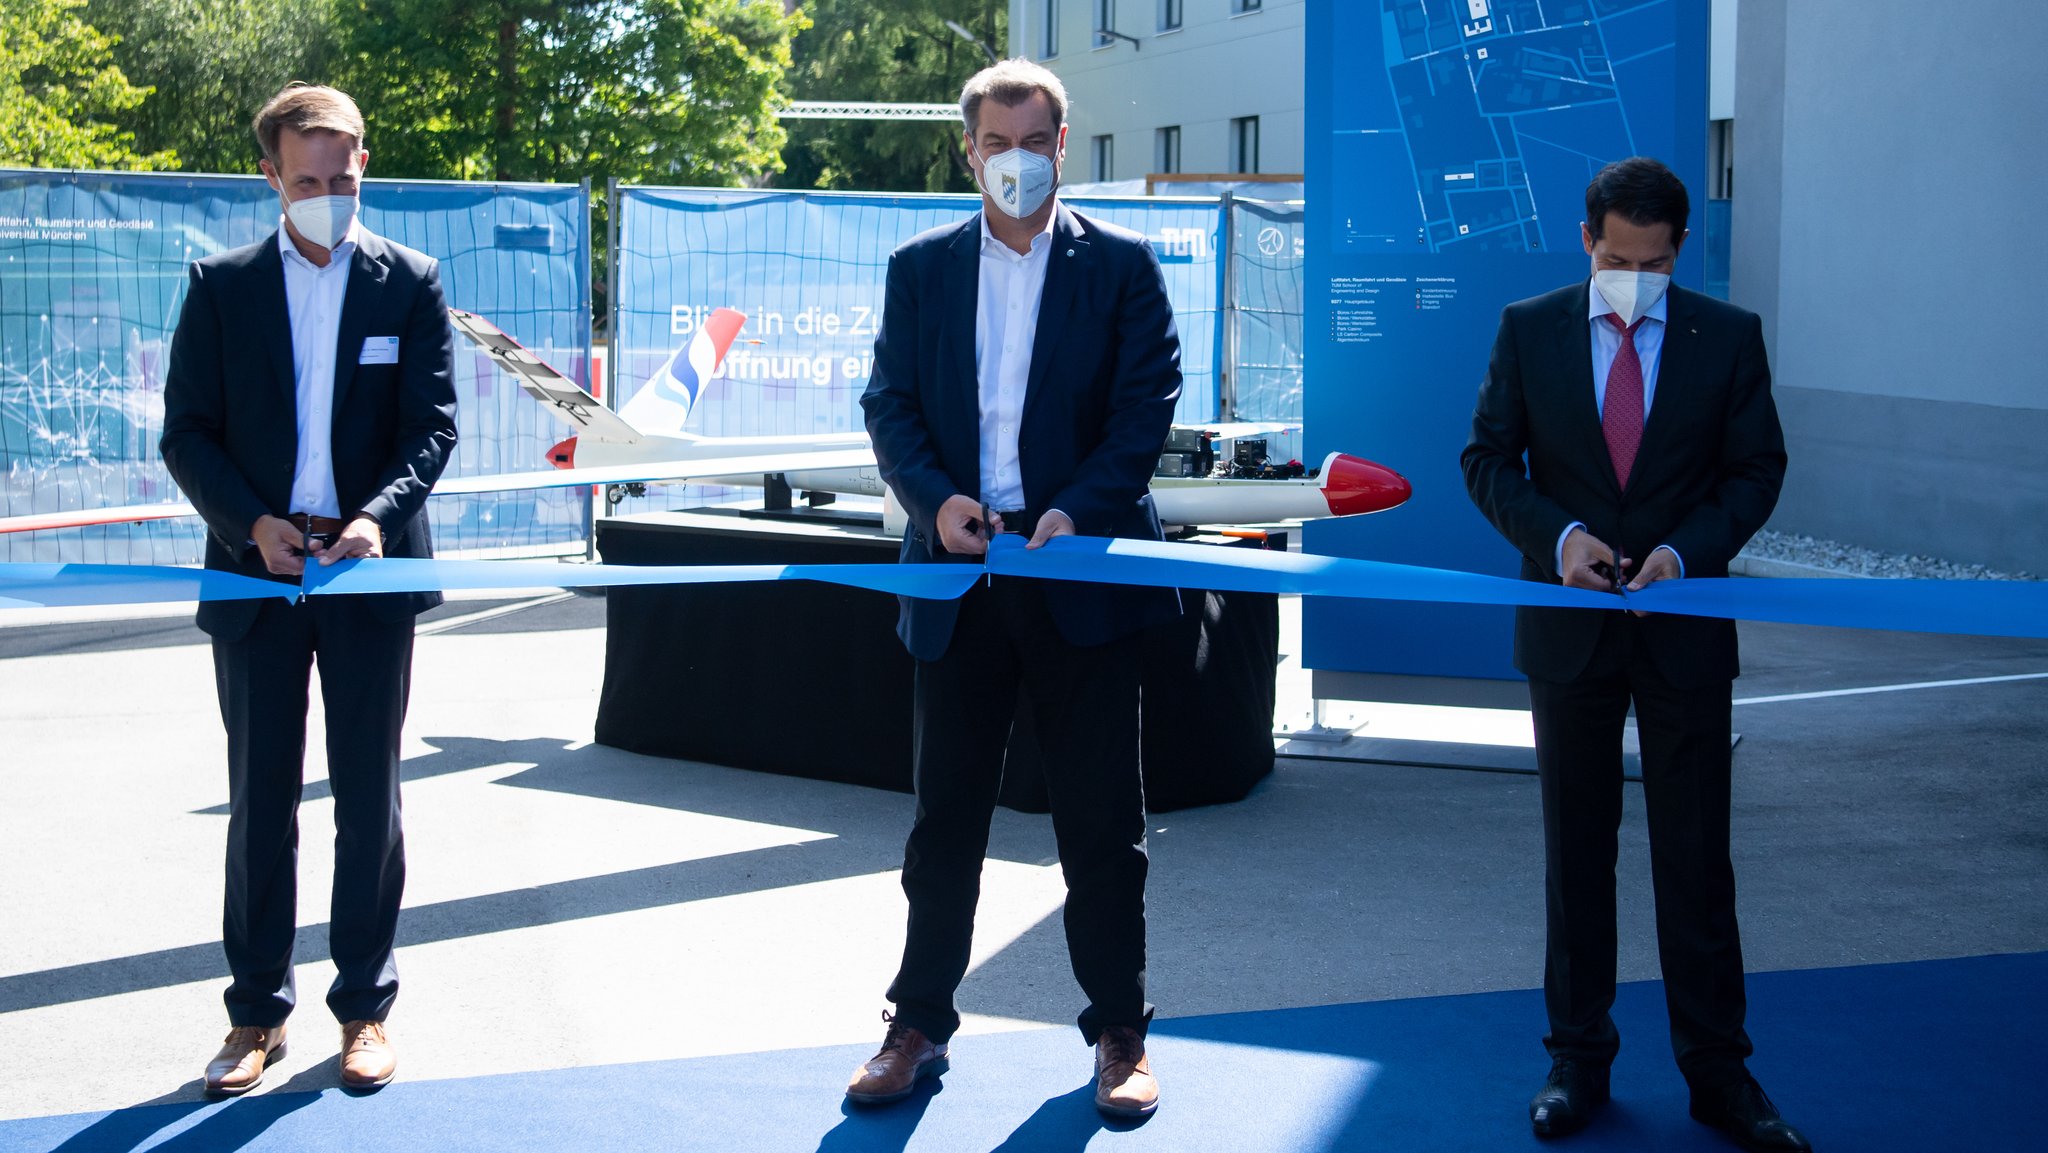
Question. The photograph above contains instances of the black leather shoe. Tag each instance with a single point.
(1743, 1112)
(1568, 1098)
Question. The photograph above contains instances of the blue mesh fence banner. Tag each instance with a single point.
(92, 277)
(1264, 344)
(808, 269)
(518, 255)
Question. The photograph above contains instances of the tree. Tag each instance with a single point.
(59, 90)
(212, 64)
(675, 91)
(887, 50)
(644, 91)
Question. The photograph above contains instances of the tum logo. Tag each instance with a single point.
(1182, 242)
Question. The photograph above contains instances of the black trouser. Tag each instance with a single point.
(1084, 702)
(1686, 766)
(263, 678)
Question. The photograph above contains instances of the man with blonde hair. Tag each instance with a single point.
(1025, 378)
(308, 409)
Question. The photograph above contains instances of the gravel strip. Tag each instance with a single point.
(1839, 559)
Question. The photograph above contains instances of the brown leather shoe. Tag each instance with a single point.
(238, 1067)
(367, 1060)
(1124, 1086)
(907, 1057)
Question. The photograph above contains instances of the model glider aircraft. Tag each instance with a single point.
(643, 443)
(1198, 486)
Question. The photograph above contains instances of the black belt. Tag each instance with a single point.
(1021, 521)
(317, 525)
(321, 530)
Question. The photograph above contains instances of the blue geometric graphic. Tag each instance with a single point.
(1496, 110)
(1449, 147)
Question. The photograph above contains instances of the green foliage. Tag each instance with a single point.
(655, 91)
(212, 64)
(887, 50)
(60, 92)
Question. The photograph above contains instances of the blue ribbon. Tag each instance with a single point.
(1976, 608)
(1171, 565)
(1973, 608)
(1981, 608)
(398, 575)
(71, 585)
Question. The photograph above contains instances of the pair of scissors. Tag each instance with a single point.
(987, 533)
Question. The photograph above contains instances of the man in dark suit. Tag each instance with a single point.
(1653, 453)
(308, 409)
(1025, 377)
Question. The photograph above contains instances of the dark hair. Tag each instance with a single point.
(1643, 191)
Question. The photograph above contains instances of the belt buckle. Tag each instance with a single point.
(303, 521)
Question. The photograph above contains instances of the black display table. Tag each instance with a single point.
(809, 680)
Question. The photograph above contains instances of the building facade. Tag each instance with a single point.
(1888, 163)
(1172, 86)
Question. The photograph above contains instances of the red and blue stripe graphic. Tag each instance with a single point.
(681, 379)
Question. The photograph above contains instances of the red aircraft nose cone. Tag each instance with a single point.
(1354, 485)
(563, 455)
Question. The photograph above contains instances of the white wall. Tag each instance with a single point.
(1910, 254)
(1721, 60)
(1888, 174)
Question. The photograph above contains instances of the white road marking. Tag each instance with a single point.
(449, 624)
(1889, 689)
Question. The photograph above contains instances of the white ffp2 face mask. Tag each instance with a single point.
(1018, 181)
(1631, 294)
(322, 220)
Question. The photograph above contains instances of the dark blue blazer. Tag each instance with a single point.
(1105, 373)
(231, 408)
(1705, 478)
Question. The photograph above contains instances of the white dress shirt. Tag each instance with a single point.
(313, 296)
(1607, 346)
(1005, 328)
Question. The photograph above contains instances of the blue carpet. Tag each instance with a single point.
(1874, 1059)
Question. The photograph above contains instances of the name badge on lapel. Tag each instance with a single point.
(379, 350)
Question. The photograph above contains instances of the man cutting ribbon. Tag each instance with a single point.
(1025, 378)
(308, 410)
(1653, 453)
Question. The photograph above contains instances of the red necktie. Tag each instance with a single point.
(1621, 416)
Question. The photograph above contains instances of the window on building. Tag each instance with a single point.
(1244, 144)
(1721, 159)
(1048, 29)
(1104, 149)
(1166, 149)
(1169, 15)
(1105, 22)
(1246, 5)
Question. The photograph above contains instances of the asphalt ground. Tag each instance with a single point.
(571, 904)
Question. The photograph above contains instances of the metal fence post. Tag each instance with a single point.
(611, 333)
(611, 291)
(1226, 318)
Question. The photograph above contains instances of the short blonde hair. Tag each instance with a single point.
(1010, 83)
(306, 108)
